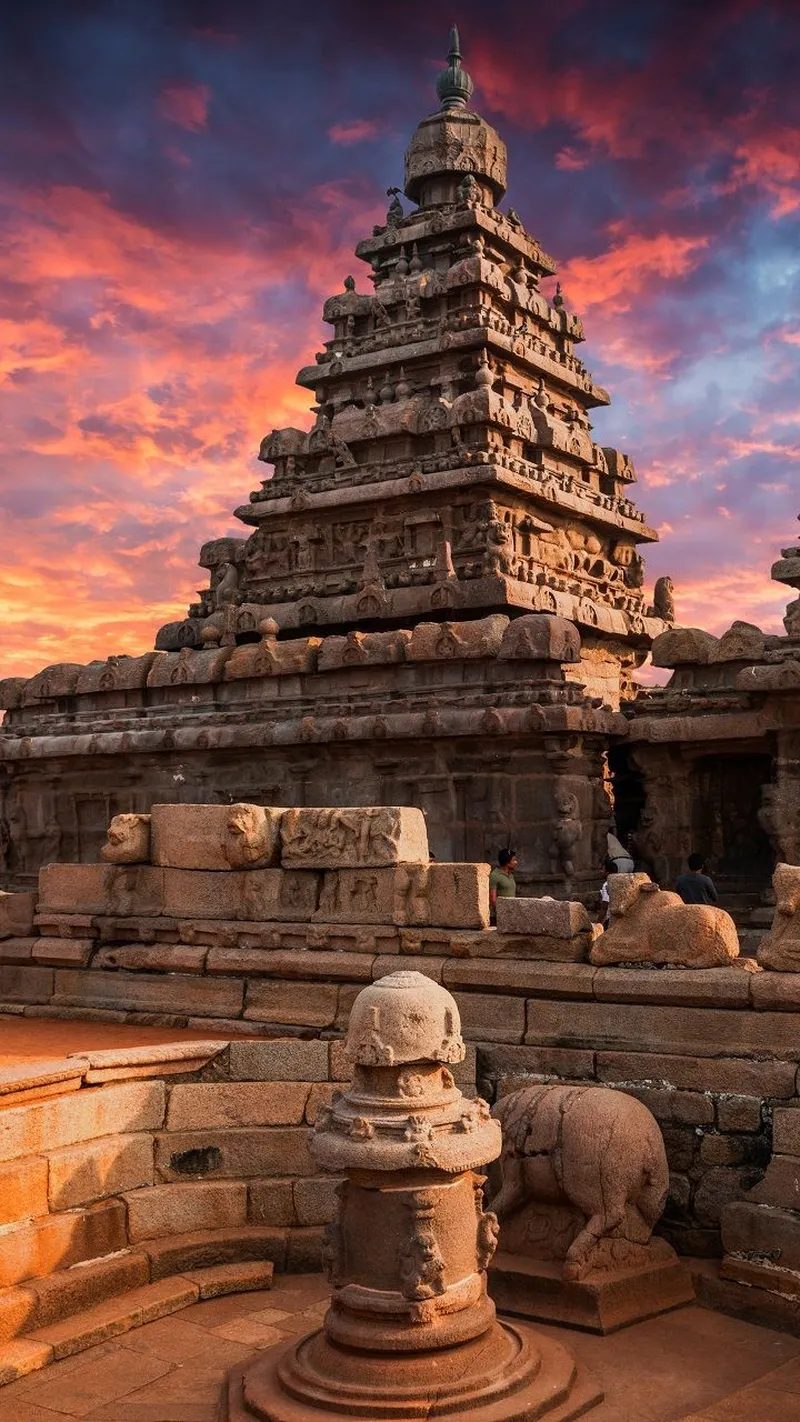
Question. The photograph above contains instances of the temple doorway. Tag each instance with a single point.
(725, 815)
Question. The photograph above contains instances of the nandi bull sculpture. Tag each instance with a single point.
(580, 1184)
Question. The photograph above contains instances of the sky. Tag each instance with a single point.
(182, 185)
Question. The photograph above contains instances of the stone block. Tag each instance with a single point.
(491, 943)
(723, 1074)
(202, 893)
(786, 1130)
(279, 895)
(17, 1311)
(440, 895)
(525, 979)
(44, 1126)
(285, 1059)
(63, 952)
(29, 1080)
(18, 951)
(17, 913)
(184, 1208)
(555, 918)
(152, 957)
(133, 890)
(683, 646)
(283, 963)
(541, 637)
(215, 837)
(62, 1240)
(438, 641)
(341, 1068)
(358, 837)
(70, 1291)
(300, 1004)
(72, 888)
(718, 1188)
(713, 987)
(698, 1031)
(92, 1171)
(271, 1202)
(118, 1315)
(781, 1184)
(387, 963)
(68, 925)
(513, 1064)
(762, 1231)
(780, 991)
(205, 1105)
(23, 1356)
(25, 984)
(23, 1190)
(488, 1018)
(206, 1248)
(315, 1199)
(221, 1279)
(739, 1113)
(175, 993)
(233, 1154)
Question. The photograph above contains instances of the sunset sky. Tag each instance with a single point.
(182, 184)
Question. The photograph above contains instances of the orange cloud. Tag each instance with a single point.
(613, 278)
(355, 131)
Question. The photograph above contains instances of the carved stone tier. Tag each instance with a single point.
(410, 1330)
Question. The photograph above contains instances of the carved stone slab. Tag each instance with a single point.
(446, 895)
(215, 836)
(353, 838)
(556, 917)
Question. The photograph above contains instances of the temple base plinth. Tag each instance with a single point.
(509, 1374)
(599, 1303)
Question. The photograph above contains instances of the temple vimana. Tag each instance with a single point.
(263, 1025)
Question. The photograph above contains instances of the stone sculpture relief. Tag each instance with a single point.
(128, 840)
(652, 925)
(583, 1176)
(780, 948)
(358, 837)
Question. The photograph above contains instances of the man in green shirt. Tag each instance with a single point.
(502, 884)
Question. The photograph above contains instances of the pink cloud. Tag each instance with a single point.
(185, 104)
(354, 131)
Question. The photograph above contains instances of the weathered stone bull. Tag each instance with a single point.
(652, 925)
(590, 1148)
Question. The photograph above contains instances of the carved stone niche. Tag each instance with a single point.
(410, 1331)
(581, 1182)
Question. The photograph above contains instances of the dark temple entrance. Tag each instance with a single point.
(725, 816)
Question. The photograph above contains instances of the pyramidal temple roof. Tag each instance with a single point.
(451, 468)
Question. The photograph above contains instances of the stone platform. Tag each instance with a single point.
(601, 1303)
(688, 1366)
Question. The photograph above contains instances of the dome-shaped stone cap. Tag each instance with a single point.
(455, 141)
(404, 1017)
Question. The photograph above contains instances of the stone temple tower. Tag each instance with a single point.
(440, 598)
(451, 466)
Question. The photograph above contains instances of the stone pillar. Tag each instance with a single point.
(410, 1332)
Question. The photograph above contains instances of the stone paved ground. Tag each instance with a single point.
(691, 1363)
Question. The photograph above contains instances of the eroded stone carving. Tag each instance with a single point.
(354, 837)
(128, 840)
(581, 1182)
(652, 925)
(780, 948)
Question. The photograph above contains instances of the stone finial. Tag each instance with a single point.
(404, 1018)
(454, 85)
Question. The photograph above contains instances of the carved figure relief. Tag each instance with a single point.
(566, 834)
(128, 840)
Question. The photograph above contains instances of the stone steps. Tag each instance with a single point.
(117, 1312)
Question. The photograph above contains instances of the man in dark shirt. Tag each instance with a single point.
(696, 887)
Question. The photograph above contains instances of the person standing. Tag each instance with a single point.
(502, 884)
(696, 887)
